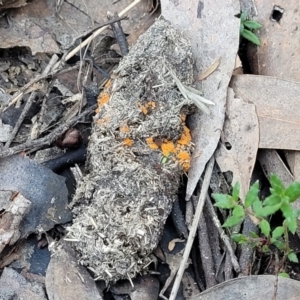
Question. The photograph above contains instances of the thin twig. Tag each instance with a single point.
(20, 120)
(192, 234)
(119, 34)
(83, 35)
(100, 30)
(223, 235)
(48, 139)
(18, 95)
(205, 251)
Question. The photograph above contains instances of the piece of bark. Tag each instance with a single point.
(11, 219)
(277, 103)
(47, 192)
(66, 279)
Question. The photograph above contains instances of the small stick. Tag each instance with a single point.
(100, 30)
(20, 120)
(81, 36)
(48, 139)
(194, 227)
(223, 235)
(119, 34)
(205, 251)
(18, 95)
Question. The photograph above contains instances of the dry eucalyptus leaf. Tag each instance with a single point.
(253, 287)
(272, 163)
(65, 279)
(293, 160)
(277, 111)
(74, 17)
(38, 40)
(238, 149)
(213, 35)
(280, 22)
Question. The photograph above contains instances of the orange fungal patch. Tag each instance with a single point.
(168, 147)
(103, 121)
(104, 96)
(128, 142)
(124, 128)
(179, 149)
(148, 106)
(185, 138)
(151, 143)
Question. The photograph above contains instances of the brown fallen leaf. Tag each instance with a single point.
(203, 29)
(252, 288)
(293, 160)
(66, 279)
(286, 64)
(238, 151)
(279, 23)
(277, 111)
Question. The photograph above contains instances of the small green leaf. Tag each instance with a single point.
(224, 201)
(257, 207)
(252, 24)
(277, 232)
(250, 36)
(276, 184)
(296, 213)
(272, 200)
(269, 210)
(238, 211)
(243, 17)
(252, 194)
(283, 274)
(293, 191)
(242, 28)
(265, 227)
(236, 192)
(253, 234)
(164, 160)
(287, 209)
(291, 224)
(240, 238)
(265, 248)
(278, 244)
(232, 221)
(293, 257)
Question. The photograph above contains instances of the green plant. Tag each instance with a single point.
(280, 199)
(246, 28)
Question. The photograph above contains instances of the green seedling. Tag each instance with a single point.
(280, 199)
(246, 29)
